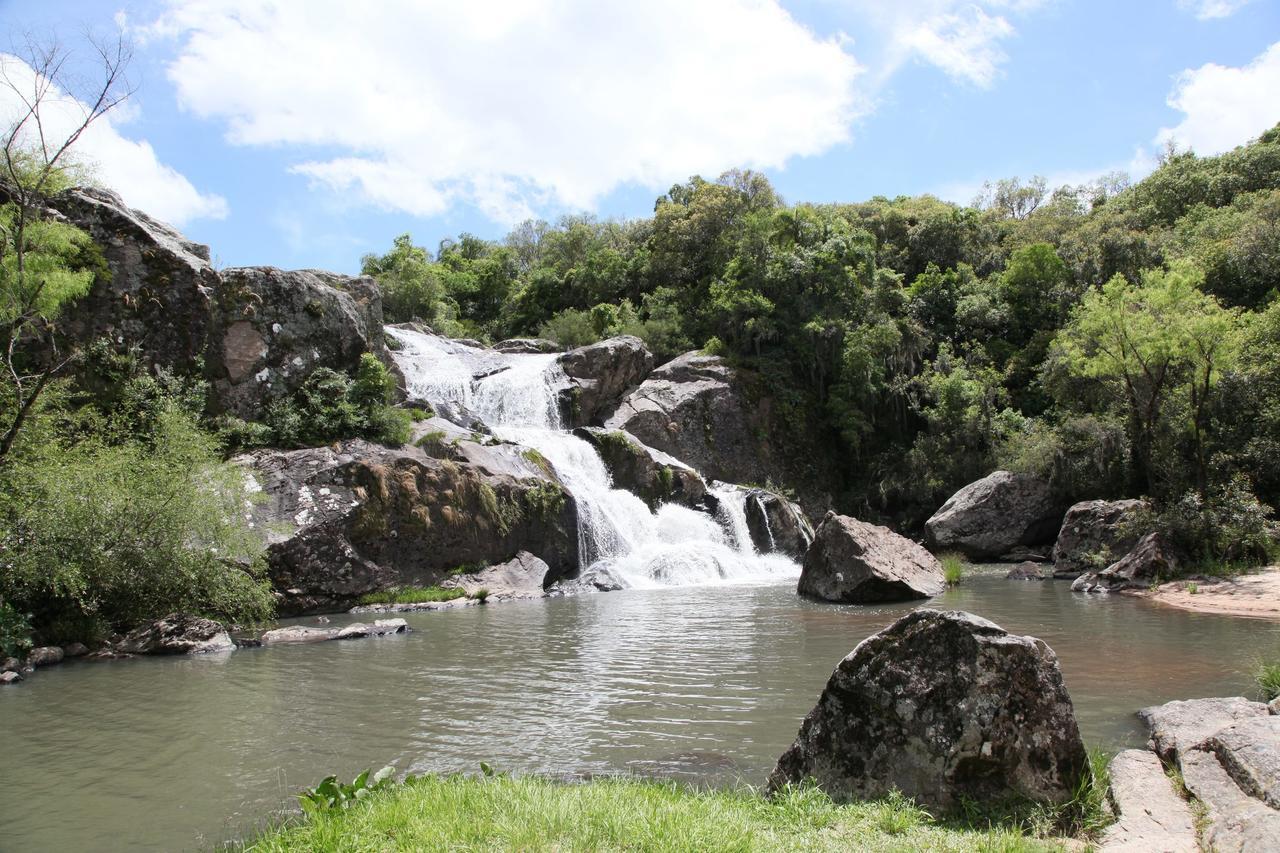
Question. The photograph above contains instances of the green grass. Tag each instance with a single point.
(1268, 678)
(533, 813)
(412, 595)
(953, 566)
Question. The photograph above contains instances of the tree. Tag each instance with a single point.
(39, 273)
(1149, 339)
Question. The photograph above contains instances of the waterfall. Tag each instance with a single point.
(517, 397)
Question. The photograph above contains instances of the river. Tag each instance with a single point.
(705, 683)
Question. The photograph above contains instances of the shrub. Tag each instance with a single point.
(331, 406)
(15, 632)
(570, 328)
(101, 536)
(1229, 526)
(479, 595)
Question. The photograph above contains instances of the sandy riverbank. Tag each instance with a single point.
(1255, 595)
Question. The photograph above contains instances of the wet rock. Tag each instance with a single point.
(1026, 572)
(596, 579)
(527, 345)
(380, 628)
(777, 525)
(10, 677)
(653, 476)
(994, 515)
(1094, 534)
(10, 665)
(601, 374)
(523, 576)
(299, 634)
(414, 607)
(858, 563)
(1183, 724)
(44, 656)
(177, 634)
(343, 521)
(1151, 816)
(942, 707)
(75, 650)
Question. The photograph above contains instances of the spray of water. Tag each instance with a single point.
(517, 397)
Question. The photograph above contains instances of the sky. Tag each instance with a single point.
(307, 133)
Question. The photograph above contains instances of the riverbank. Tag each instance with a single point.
(534, 813)
(1255, 596)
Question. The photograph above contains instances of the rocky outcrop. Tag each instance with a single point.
(527, 345)
(944, 707)
(698, 409)
(1150, 559)
(301, 634)
(1150, 815)
(342, 521)
(177, 634)
(254, 333)
(1094, 534)
(271, 328)
(600, 374)
(655, 477)
(994, 515)
(523, 576)
(1229, 753)
(854, 562)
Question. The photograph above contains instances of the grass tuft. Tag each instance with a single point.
(953, 566)
(411, 595)
(1267, 677)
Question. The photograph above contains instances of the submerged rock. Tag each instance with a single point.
(600, 374)
(1094, 534)
(298, 634)
(380, 628)
(944, 707)
(10, 677)
(177, 634)
(1026, 572)
(858, 563)
(994, 515)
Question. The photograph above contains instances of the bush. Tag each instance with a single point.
(15, 632)
(331, 406)
(1228, 526)
(101, 537)
(570, 328)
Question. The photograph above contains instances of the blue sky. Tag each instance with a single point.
(305, 134)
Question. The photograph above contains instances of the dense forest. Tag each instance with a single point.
(1121, 340)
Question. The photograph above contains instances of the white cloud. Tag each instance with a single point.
(1225, 107)
(961, 37)
(1206, 10)
(128, 166)
(514, 105)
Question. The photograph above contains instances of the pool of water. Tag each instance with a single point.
(704, 683)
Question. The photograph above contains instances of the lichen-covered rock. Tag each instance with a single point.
(601, 374)
(1094, 534)
(255, 333)
(855, 562)
(45, 656)
(342, 521)
(944, 707)
(271, 328)
(994, 515)
(653, 476)
(177, 634)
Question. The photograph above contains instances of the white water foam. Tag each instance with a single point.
(516, 396)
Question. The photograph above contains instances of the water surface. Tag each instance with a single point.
(705, 683)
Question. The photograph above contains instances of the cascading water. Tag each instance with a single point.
(516, 396)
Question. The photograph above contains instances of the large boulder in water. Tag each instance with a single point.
(855, 562)
(944, 707)
(177, 634)
(1094, 534)
(777, 524)
(653, 476)
(254, 333)
(994, 515)
(355, 517)
(600, 374)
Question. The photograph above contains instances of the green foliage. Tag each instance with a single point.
(1267, 677)
(331, 795)
(953, 566)
(1228, 526)
(331, 406)
(433, 442)
(570, 328)
(544, 501)
(479, 594)
(15, 631)
(412, 595)
(499, 811)
(115, 530)
(53, 270)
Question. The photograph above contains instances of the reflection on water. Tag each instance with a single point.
(707, 684)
